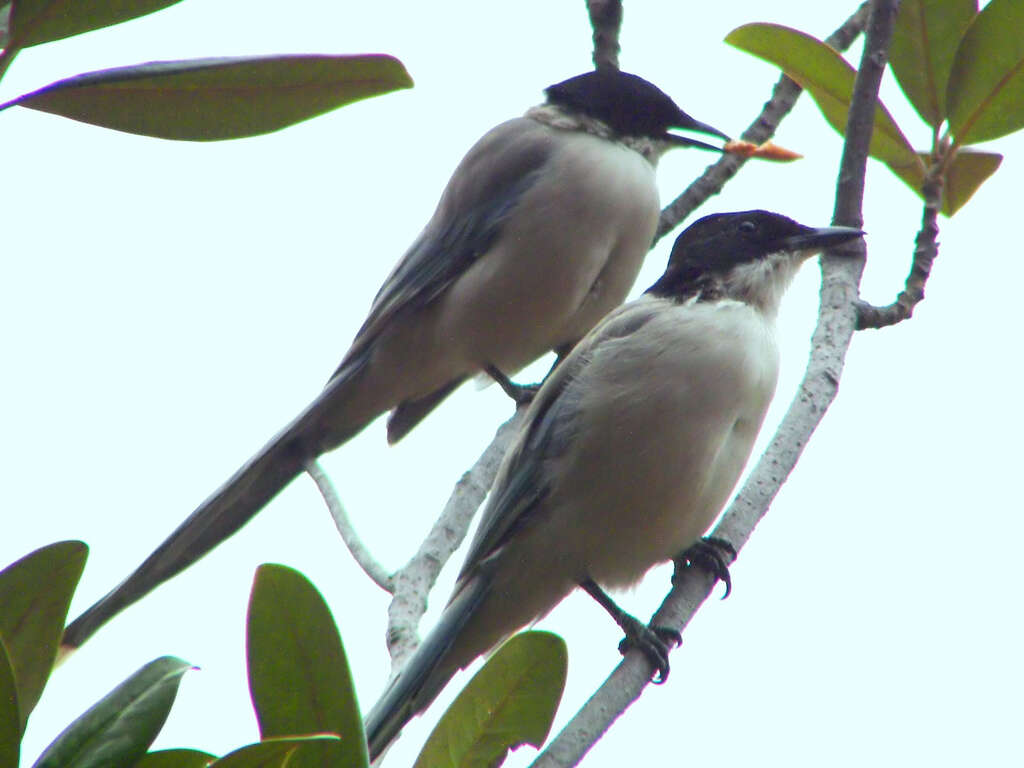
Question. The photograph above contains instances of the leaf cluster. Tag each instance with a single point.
(961, 70)
(299, 682)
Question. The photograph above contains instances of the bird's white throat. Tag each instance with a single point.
(763, 282)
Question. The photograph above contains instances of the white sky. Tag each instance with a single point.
(168, 306)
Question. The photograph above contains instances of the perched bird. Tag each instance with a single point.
(540, 232)
(628, 452)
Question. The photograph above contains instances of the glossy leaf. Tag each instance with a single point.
(118, 729)
(10, 717)
(968, 171)
(41, 21)
(272, 753)
(924, 41)
(35, 593)
(211, 99)
(829, 79)
(511, 701)
(965, 174)
(175, 758)
(299, 677)
(985, 95)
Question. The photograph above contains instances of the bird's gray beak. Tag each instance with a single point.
(687, 123)
(819, 238)
(686, 141)
(699, 127)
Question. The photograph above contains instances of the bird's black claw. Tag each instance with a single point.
(714, 555)
(521, 394)
(655, 642)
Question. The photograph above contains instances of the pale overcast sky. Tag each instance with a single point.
(168, 306)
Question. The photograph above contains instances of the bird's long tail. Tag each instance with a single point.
(325, 424)
(426, 673)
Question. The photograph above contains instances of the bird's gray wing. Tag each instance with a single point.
(548, 430)
(482, 193)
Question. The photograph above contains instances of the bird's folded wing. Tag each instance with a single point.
(547, 431)
(484, 190)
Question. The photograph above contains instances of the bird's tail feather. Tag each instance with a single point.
(426, 673)
(232, 505)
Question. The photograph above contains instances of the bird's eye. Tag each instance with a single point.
(747, 227)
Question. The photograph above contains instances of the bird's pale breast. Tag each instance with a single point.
(656, 461)
(569, 255)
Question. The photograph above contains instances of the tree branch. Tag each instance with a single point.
(377, 573)
(413, 582)
(926, 248)
(606, 21)
(840, 280)
(784, 96)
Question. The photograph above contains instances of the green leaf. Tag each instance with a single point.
(924, 41)
(299, 677)
(175, 758)
(41, 21)
(966, 173)
(10, 717)
(272, 753)
(829, 79)
(34, 596)
(211, 99)
(511, 701)
(118, 729)
(985, 95)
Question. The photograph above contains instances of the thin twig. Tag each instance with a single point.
(606, 21)
(830, 342)
(784, 96)
(411, 584)
(926, 248)
(377, 573)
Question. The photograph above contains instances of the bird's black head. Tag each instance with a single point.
(719, 255)
(628, 104)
